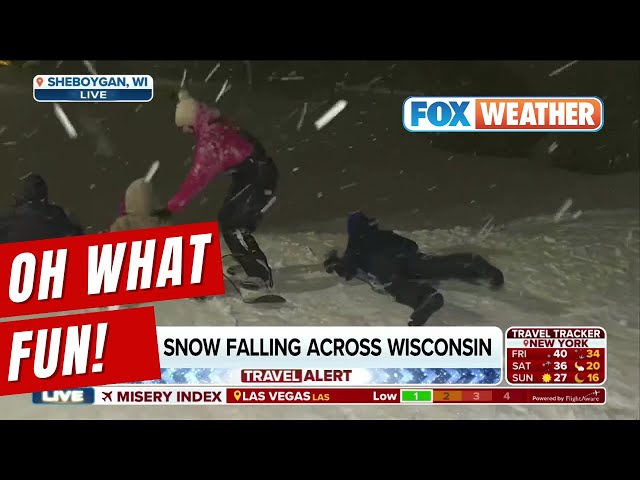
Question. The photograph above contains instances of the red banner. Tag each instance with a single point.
(72, 351)
(90, 271)
(124, 268)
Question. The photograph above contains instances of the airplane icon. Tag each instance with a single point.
(106, 396)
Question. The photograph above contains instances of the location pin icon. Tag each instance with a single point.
(237, 394)
(526, 343)
(39, 81)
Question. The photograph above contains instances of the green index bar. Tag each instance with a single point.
(416, 395)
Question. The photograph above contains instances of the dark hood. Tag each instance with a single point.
(359, 224)
(34, 189)
(138, 199)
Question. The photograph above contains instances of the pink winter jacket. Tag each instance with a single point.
(219, 148)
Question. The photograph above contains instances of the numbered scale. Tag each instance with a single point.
(212, 395)
(544, 356)
(404, 396)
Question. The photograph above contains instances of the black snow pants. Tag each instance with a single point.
(252, 193)
(406, 279)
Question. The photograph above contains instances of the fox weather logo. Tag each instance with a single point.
(503, 114)
(75, 396)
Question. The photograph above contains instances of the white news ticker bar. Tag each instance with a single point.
(159, 395)
(197, 337)
(101, 82)
(556, 343)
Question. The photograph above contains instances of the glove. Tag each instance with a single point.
(332, 261)
(335, 264)
(343, 266)
(162, 214)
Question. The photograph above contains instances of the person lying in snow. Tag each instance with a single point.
(384, 257)
(138, 209)
(223, 149)
(33, 217)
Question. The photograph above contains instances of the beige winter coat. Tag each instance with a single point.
(138, 203)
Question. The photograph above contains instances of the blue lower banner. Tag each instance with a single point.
(92, 95)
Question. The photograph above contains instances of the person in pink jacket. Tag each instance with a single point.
(223, 149)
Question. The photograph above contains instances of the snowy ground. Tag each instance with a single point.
(579, 271)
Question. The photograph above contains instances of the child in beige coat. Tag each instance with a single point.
(139, 213)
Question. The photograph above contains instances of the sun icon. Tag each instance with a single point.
(546, 378)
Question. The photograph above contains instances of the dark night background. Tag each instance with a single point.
(364, 159)
(579, 270)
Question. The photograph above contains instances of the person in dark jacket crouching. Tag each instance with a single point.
(33, 217)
